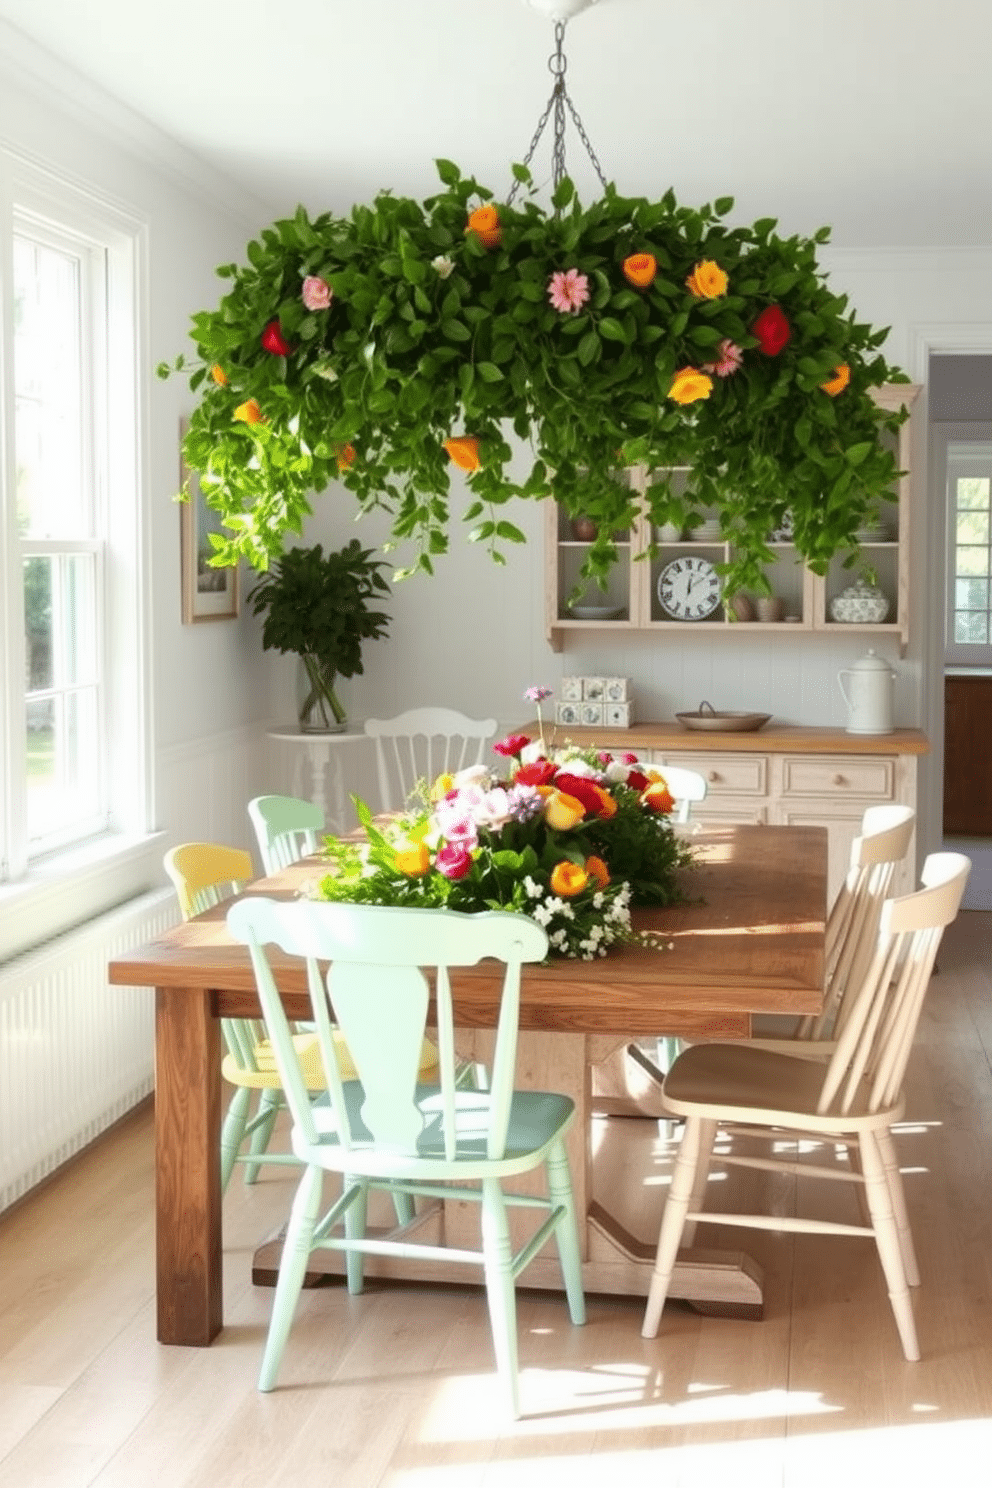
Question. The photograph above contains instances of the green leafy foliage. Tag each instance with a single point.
(317, 605)
(429, 334)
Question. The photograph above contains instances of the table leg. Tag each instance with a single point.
(187, 1167)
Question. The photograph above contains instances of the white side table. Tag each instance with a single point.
(318, 768)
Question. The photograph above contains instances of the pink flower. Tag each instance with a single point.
(537, 694)
(317, 293)
(453, 860)
(568, 290)
(729, 359)
(511, 746)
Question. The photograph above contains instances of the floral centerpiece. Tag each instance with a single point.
(572, 837)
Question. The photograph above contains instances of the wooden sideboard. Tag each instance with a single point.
(784, 775)
(967, 730)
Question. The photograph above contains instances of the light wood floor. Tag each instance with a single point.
(397, 1387)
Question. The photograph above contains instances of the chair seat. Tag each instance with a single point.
(537, 1118)
(740, 1083)
(266, 1076)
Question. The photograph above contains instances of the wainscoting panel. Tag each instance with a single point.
(75, 1053)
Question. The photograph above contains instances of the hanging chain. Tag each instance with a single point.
(559, 101)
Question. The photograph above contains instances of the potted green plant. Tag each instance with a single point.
(318, 606)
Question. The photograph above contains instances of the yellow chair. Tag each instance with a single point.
(205, 874)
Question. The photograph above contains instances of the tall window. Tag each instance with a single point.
(969, 551)
(72, 680)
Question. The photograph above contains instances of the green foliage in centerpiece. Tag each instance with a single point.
(380, 349)
(573, 840)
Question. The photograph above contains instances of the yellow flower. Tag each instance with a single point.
(249, 413)
(442, 785)
(218, 374)
(839, 381)
(415, 861)
(568, 879)
(689, 385)
(562, 812)
(597, 869)
(707, 281)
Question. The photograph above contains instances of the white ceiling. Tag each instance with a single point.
(868, 115)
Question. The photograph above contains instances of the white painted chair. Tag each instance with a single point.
(686, 786)
(422, 744)
(385, 1130)
(853, 1097)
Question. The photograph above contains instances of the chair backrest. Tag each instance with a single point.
(286, 829)
(205, 873)
(376, 979)
(686, 786)
(852, 925)
(882, 1011)
(422, 744)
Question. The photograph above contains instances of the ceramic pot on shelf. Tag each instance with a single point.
(861, 603)
(868, 695)
(584, 529)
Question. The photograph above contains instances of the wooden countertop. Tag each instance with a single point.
(774, 738)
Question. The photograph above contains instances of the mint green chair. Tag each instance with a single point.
(386, 1130)
(286, 829)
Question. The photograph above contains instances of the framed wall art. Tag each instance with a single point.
(207, 593)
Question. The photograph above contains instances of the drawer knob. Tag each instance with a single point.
(839, 780)
(713, 777)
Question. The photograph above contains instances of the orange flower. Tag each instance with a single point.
(568, 879)
(597, 869)
(689, 385)
(707, 281)
(607, 804)
(839, 381)
(345, 456)
(639, 269)
(463, 451)
(415, 861)
(563, 812)
(658, 798)
(249, 413)
(484, 222)
(218, 374)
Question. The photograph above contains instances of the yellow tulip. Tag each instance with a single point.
(839, 381)
(563, 812)
(689, 385)
(218, 374)
(707, 281)
(414, 861)
(249, 413)
(442, 785)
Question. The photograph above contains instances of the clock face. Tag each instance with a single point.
(689, 588)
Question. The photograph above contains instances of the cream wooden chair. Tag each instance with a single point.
(204, 874)
(853, 1097)
(422, 744)
(385, 1129)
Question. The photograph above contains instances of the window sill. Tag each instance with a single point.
(69, 888)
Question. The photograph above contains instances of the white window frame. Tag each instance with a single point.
(959, 653)
(41, 895)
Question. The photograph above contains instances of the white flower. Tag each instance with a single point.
(542, 914)
(443, 265)
(532, 889)
(326, 371)
(472, 775)
(531, 752)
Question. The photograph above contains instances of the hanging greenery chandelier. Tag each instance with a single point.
(375, 352)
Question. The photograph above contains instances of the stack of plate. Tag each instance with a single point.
(708, 531)
(875, 532)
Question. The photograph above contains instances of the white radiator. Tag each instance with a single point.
(75, 1053)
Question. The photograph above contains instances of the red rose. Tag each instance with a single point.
(586, 791)
(541, 772)
(772, 330)
(511, 745)
(273, 340)
(637, 780)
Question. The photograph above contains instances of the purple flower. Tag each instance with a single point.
(537, 694)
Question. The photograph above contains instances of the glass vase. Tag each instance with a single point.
(317, 705)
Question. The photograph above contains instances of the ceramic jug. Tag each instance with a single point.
(868, 695)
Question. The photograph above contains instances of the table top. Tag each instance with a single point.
(750, 940)
(774, 738)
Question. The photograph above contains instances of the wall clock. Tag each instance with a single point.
(689, 588)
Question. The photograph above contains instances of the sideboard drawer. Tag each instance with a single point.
(725, 774)
(867, 777)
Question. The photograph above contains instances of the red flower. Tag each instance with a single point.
(273, 340)
(511, 745)
(772, 330)
(637, 780)
(658, 798)
(541, 772)
(586, 791)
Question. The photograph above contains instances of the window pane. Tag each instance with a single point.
(972, 527)
(971, 594)
(38, 622)
(971, 630)
(971, 561)
(972, 492)
(52, 495)
(63, 772)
